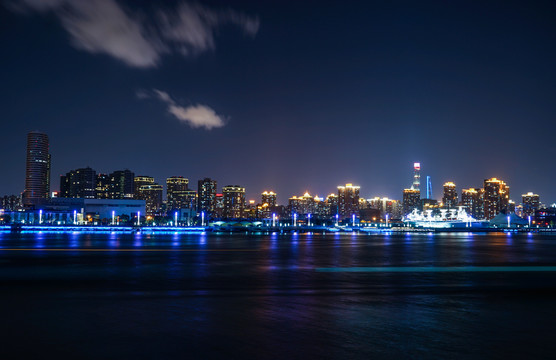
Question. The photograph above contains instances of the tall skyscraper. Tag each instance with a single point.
(429, 188)
(79, 183)
(411, 200)
(348, 200)
(496, 197)
(37, 170)
(472, 200)
(531, 203)
(234, 201)
(102, 190)
(178, 194)
(450, 198)
(269, 198)
(206, 196)
(139, 181)
(121, 184)
(152, 194)
(416, 176)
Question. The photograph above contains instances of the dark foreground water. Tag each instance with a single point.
(262, 297)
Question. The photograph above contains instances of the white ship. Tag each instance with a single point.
(446, 218)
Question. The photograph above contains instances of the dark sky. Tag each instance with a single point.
(289, 96)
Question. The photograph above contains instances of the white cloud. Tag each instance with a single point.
(196, 116)
(107, 27)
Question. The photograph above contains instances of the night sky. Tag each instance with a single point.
(289, 96)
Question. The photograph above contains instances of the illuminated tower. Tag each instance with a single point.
(496, 197)
(37, 171)
(234, 201)
(206, 196)
(450, 198)
(348, 200)
(416, 176)
(269, 198)
(531, 203)
(429, 187)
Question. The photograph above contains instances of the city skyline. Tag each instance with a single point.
(356, 105)
(151, 180)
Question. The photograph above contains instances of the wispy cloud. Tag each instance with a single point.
(196, 116)
(134, 37)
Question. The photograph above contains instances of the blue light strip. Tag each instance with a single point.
(445, 269)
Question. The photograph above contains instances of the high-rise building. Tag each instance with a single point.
(122, 184)
(269, 198)
(152, 194)
(178, 194)
(206, 196)
(102, 189)
(139, 181)
(331, 204)
(411, 200)
(37, 170)
(348, 200)
(531, 203)
(429, 188)
(450, 198)
(234, 201)
(472, 200)
(496, 197)
(387, 207)
(79, 183)
(416, 176)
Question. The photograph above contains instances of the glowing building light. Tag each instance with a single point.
(176, 218)
(386, 220)
(113, 216)
(273, 220)
(74, 217)
(353, 220)
(337, 216)
(294, 220)
(202, 218)
(40, 216)
(309, 219)
(138, 218)
(508, 220)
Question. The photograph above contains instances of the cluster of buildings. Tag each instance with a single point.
(87, 196)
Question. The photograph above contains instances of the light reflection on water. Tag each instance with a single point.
(266, 300)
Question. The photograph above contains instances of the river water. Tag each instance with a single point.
(277, 296)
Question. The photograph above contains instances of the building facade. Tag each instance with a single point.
(122, 184)
(472, 201)
(531, 203)
(496, 197)
(206, 196)
(37, 169)
(178, 194)
(411, 200)
(450, 197)
(348, 200)
(79, 183)
(152, 194)
(234, 201)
